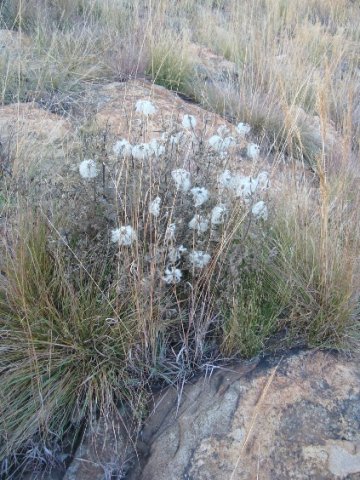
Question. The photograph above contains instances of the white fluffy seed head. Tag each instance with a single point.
(243, 129)
(154, 206)
(200, 194)
(175, 253)
(263, 180)
(157, 148)
(244, 186)
(199, 223)
(122, 148)
(229, 142)
(145, 107)
(189, 122)
(260, 210)
(88, 169)
(141, 151)
(173, 139)
(172, 275)
(225, 179)
(223, 130)
(181, 178)
(216, 143)
(124, 236)
(220, 144)
(170, 232)
(253, 151)
(199, 259)
(218, 214)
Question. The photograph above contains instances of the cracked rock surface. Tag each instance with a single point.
(293, 417)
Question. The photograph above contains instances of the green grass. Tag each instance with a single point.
(253, 318)
(321, 284)
(170, 64)
(64, 345)
(298, 280)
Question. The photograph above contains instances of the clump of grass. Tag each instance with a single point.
(63, 13)
(284, 67)
(170, 64)
(64, 345)
(316, 255)
(253, 314)
(299, 280)
(55, 59)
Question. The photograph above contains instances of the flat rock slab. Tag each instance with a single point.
(113, 109)
(37, 141)
(115, 106)
(294, 417)
(105, 452)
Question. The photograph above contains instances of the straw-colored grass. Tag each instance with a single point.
(86, 325)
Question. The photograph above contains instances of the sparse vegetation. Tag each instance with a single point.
(99, 298)
(171, 64)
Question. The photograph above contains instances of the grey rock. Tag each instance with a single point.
(105, 452)
(295, 417)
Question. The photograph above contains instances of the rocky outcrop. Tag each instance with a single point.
(296, 417)
(39, 142)
(105, 452)
(210, 67)
(114, 105)
(33, 140)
